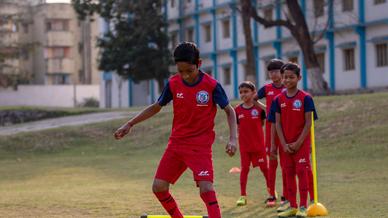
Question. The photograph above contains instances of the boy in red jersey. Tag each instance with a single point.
(293, 108)
(269, 92)
(250, 137)
(195, 96)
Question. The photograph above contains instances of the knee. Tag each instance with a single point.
(205, 186)
(160, 186)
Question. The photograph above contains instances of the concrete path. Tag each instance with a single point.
(64, 121)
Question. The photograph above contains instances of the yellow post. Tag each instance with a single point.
(317, 209)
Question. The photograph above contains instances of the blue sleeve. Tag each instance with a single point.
(261, 93)
(166, 95)
(309, 106)
(219, 96)
(272, 112)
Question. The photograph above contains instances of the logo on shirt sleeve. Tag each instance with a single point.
(202, 98)
(297, 104)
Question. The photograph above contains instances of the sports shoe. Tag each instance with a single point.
(282, 200)
(302, 212)
(284, 205)
(242, 201)
(270, 202)
(290, 212)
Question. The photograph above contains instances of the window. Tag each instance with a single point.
(190, 35)
(293, 59)
(227, 76)
(57, 25)
(382, 54)
(268, 13)
(207, 31)
(57, 52)
(347, 5)
(321, 61)
(174, 39)
(379, 2)
(349, 59)
(61, 79)
(319, 8)
(172, 3)
(226, 29)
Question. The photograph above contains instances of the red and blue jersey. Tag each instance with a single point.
(194, 108)
(292, 114)
(250, 128)
(269, 92)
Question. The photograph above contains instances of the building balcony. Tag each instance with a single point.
(59, 39)
(59, 65)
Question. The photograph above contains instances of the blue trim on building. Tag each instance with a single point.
(152, 91)
(107, 75)
(233, 53)
(180, 21)
(330, 37)
(278, 44)
(196, 24)
(256, 48)
(304, 69)
(362, 43)
(130, 92)
(214, 54)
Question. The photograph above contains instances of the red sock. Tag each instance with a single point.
(311, 184)
(273, 165)
(291, 186)
(169, 204)
(244, 180)
(303, 184)
(264, 169)
(284, 180)
(210, 200)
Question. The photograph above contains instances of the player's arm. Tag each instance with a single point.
(148, 112)
(279, 131)
(260, 95)
(231, 147)
(306, 129)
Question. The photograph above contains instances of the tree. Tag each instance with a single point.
(250, 73)
(136, 45)
(295, 22)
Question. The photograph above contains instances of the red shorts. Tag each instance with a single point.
(256, 158)
(176, 160)
(299, 159)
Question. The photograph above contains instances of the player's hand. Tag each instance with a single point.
(122, 131)
(287, 149)
(231, 148)
(294, 146)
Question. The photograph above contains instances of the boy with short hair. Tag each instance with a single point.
(195, 96)
(250, 136)
(293, 108)
(269, 91)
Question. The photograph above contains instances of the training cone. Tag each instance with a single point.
(234, 170)
(316, 209)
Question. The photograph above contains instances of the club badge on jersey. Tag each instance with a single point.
(255, 114)
(297, 105)
(202, 98)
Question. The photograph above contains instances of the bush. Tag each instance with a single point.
(90, 102)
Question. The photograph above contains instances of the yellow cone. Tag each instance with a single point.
(317, 209)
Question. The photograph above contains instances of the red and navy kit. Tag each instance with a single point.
(292, 112)
(269, 92)
(192, 133)
(251, 141)
(292, 118)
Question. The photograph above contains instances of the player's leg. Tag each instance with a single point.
(169, 170)
(202, 166)
(245, 164)
(259, 159)
(291, 187)
(284, 203)
(272, 166)
(302, 161)
(311, 184)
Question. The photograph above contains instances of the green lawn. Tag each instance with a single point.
(83, 172)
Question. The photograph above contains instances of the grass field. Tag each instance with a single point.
(83, 172)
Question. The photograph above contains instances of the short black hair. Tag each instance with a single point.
(291, 67)
(275, 64)
(186, 52)
(247, 84)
